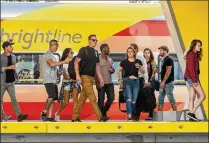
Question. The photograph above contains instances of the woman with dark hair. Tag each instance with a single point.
(151, 68)
(141, 103)
(151, 65)
(66, 88)
(193, 56)
(131, 67)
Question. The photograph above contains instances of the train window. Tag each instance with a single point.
(114, 75)
(117, 58)
(178, 74)
(29, 67)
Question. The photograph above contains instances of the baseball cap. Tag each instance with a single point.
(6, 44)
(165, 48)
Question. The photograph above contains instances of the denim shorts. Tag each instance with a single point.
(190, 82)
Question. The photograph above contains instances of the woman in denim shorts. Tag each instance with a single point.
(68, 85)
(193, 56)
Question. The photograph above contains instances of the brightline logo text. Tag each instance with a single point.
(28, 38)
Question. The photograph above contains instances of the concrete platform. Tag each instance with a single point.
(104, 138)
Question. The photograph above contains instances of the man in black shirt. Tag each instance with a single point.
(8, 77)
(167, 79)
(86, 66)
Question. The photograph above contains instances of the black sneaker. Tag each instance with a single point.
(135, 119)
(50, 120)
(103, 119)
(76, 120)
(22, 117)
(191, 120)
(43, 116)
(106, 118)
(105, 115)
(149, 118)
(192, 116)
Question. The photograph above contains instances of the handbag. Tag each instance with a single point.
(146, 100)
(121, 99)
(157, 85)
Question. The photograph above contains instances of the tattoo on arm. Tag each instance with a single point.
(167, 74)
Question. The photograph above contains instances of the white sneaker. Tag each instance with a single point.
(57, 118)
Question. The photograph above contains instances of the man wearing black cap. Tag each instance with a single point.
(167, 79)
(8, 77)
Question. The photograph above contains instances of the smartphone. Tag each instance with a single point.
(60, 69)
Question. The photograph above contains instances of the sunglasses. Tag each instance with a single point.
(94, 40)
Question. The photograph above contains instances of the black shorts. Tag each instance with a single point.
(52, 90)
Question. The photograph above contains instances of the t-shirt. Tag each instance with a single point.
(90, 60)
(65, 67)
(145, 74)
(10, 73)
(167, 61)
(105, 65)
(50, 73)
(130, 68)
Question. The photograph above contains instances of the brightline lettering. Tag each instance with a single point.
(28, 38)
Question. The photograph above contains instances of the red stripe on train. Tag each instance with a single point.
(146, 28)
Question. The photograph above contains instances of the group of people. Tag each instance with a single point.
(79, 72)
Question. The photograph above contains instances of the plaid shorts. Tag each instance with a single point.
(68, 86)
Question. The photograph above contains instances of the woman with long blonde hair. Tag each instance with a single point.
(193, 56)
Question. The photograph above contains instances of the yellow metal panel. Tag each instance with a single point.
(192, 20)
(108, 127)
(128, 127)
(24, 127)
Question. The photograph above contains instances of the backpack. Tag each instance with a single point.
(71, 70)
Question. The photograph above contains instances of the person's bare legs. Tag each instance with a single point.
(201, 98)
(49, 107)
(192, 97)
(64, 103)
